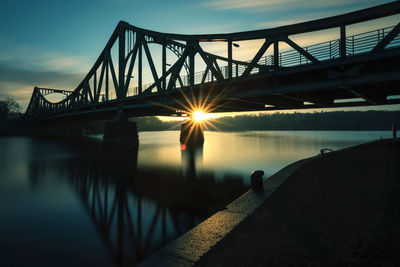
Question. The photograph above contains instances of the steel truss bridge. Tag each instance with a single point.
(357, 70)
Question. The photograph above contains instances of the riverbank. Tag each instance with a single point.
(339, 209)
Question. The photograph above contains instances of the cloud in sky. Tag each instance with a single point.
(19, 83)
(23, 67)
(277, 23)
(270, 5)
(40, 78)
(35, 58)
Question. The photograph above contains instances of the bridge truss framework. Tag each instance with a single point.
(363, 66)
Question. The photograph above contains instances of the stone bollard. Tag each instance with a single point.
(256, 181)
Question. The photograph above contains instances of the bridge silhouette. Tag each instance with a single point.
(357, 70)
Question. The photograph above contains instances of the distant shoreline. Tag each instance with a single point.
(13, 132)
(318, 121)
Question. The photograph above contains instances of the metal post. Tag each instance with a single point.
(95, 84)
(342, 41)
(140, 65)
(107, 98)
(276, 54)
(121, 65)
(379, 36)
(230, 59)
(129, 43)
(164, 64)
(191, 62)
(237, 70)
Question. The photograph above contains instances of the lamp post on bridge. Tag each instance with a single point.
(131, 78)
(230, 57)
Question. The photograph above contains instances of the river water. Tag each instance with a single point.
(64, 204)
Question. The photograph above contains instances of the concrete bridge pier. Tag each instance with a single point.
(192, 134)
(121, 131)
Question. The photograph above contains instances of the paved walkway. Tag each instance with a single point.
(340, 209)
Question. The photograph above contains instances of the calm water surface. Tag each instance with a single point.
(88, 205)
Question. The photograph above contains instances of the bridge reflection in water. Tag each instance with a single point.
(136, 211)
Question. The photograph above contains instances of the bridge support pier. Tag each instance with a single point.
(191, 134)
(121, 131)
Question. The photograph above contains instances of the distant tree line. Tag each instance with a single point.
(340, 120)
(337, 120)
(8, 106)
(155, 124)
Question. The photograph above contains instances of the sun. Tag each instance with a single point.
(196, 109)
(200, 115)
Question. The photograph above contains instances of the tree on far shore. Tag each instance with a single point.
(8, 105)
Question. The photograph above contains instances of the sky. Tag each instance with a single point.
(54, 43)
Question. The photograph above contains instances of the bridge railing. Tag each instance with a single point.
(325, 51)
(365, 42)
(355, 44)
(322, 51)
